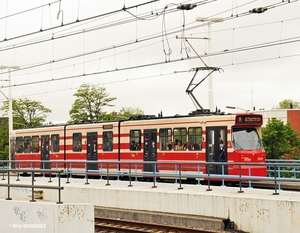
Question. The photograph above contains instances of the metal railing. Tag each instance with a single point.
(284, 168)
(176, 170)
(33, 186)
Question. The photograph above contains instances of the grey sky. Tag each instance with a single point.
(258, 53)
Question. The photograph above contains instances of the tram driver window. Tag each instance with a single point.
(180, 138)
(107, 141)
(20, 144)
(77, 141)
(165, 139)
(135, 140)
(195, 138)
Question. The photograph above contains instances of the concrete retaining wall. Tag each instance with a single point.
(22, 216)
(255, 211)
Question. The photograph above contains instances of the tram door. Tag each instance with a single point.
(216, 149)
(45, 158)
(150, 152)
(12, 151)
(92, 153)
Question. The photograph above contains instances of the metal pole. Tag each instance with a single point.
(210, 78)
(10, 119)
(8, 187)
(32, 189)
(10, 116)
(130, 185)
(59, 190)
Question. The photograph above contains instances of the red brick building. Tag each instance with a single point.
(291, 115)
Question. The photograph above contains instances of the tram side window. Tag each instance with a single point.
(55, 142)
(180, 138)
(27, 144)
(107, 141)
(77, 139)
(135, 139)
(20, 144)
(165, 139)
(195, 138)
(35, 144)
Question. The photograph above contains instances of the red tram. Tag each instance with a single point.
(201, 137)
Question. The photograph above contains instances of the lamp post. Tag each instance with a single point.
(210, 80)
(10, 117)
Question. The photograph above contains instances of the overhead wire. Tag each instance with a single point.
(71, 23)
(28, 10)
(237, 50)
(259, 46)
(153, 76)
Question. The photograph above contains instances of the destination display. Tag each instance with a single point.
(249, 119)
(107, 126)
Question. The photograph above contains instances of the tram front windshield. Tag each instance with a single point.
(246, 139)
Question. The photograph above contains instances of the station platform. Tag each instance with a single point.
(253, 210)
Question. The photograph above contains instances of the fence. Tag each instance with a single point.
(283, 168)
(32, 172)
(176, 170)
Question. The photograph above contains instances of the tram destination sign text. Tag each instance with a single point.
(245, 120)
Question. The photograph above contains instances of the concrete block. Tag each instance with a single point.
(44, 217)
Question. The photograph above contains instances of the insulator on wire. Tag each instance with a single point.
(187, 6)
(258, 10)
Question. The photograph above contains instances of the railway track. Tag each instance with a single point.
(123, 226)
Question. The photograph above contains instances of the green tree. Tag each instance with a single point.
(280, 140)
(286, 104)
(4, 147)
(26, 112)
(89, 103)
(127, 112)
(124, 114)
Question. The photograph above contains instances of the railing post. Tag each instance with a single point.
(223, 182)
(56, 169)
(279, 175)
(199, 170)
(175, 173)
(50, 181)
(3, 173)
(154, 176)
(8, 187)
(86, 173)
(107, 175)
(249, 181)
(18, 173)
(118, 172)
(275, 181)
(240, 182)
(180, 187)
(43, 168)
(208, 178)
(68, 171)
(100, 171)
(59, 191)
(136, 171)
(32, 189)
(130, 185)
